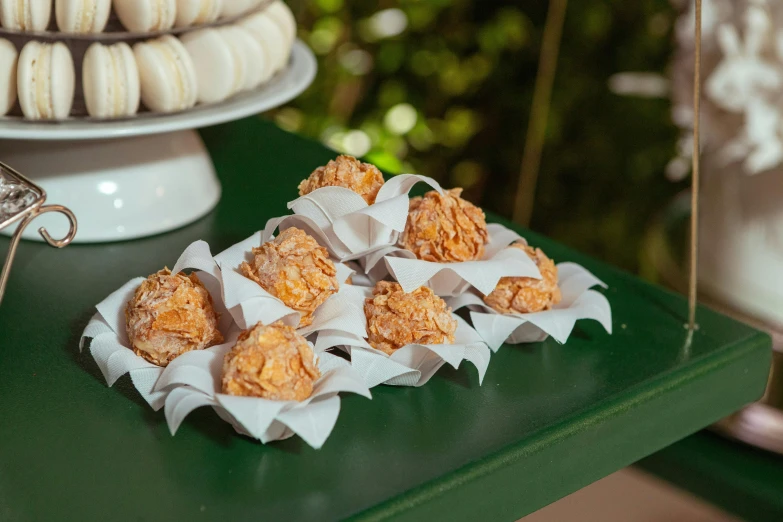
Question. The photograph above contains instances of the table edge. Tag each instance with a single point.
(442, 494)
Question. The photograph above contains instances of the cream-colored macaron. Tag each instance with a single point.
(253, 55)
(46, 81)
(198, 12)
(167, 74)
(25, 15)
(110, 79)
(146, 15)
(82, 16)
(9, 58)
(282, 14)
(232, 8)
(220, 66)
(271, 37)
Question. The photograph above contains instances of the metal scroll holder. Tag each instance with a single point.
(22, 201)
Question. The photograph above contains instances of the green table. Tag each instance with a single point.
(548, 420)
(736, 477)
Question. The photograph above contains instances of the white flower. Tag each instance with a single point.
(742, 67)
(744, 74)
(759, 146)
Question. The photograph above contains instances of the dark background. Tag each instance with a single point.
(466, 70)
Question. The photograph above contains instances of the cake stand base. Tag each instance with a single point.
(119, 189)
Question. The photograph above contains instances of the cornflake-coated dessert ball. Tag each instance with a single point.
(525, 295)
(296, 269)
(346, 171)
(171, 314)
(445, 228)
(396, 319)
(272, 362)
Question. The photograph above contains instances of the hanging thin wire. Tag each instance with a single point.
(539, 112)
(694, 246)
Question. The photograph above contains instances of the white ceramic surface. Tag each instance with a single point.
(741, 244)
(285, 86)
(120, 189)
(122, 180)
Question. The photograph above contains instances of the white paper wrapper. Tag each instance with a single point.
(350, 227)
(414, 364)
(411, 365)
(448, 279)
(194, 380)
(110, 346)
(578, 302)
(250, 304)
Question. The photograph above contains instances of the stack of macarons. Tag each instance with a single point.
(241, 56)
(166, 74)
(140, 16)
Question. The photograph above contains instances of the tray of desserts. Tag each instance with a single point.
(356, 288)
(116, 19)
(139, 64)
(284, 86)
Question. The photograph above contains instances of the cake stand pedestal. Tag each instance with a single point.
(136, 177)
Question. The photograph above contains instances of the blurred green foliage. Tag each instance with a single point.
(443, 88)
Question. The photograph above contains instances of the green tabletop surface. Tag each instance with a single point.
(734, 476)
(548, 420)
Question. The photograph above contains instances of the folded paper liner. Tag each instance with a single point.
(578, 302)
(411, 365)
(448, 279)
(249, 303)
(193, 380)
(110, 346)
(349, 227)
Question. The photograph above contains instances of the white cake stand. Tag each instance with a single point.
(136, 177)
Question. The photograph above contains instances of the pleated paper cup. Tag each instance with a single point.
(414, 364)
(450, 279)
(110, 346)
(249, 304)
(351, 228)
(193, 380)
(578, 302)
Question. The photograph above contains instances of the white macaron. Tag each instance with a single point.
(198, 12)
(9, 58)
(255, 66)
(271, 37)
(46, 81)
(82, 16)
(25, 15)
(146, 15)
(167, 74)
(110, 79)
(232, 8)
(282, 14)
(220, 66)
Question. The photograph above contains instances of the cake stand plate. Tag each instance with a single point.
(136, 177)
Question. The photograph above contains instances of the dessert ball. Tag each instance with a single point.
(525, 295)
(396, 319)
(170, 315)
(348, 172)
(445, 228)
(272, 362)
(296, 269)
